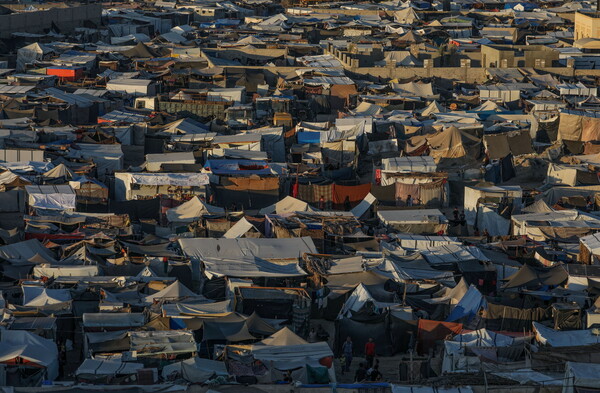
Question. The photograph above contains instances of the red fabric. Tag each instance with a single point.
(431, 331)
(354, 193)
(327, 362)
(295, 190)
(370, 349)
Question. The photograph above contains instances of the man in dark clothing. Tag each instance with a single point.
(361, 373)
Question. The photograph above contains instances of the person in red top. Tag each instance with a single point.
(370, 352)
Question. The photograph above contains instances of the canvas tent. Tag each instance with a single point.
(19, 347)
(200, 249)
(58, 197)
(192, 210)
(288, 204)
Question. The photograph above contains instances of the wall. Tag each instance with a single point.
(587, 26)
(65, 19)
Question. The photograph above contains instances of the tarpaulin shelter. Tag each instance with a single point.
(58, 197)
(288, 204)
(453, 143)
(417, 221)
(194, 370)
(23, 349)
(483, 345)
(581, 377)
(535, 277)
(101, 371)
(199, 249)
(192, 210)
(556, 338)
(476, 195)
(174, 292)
(469, 306)
(429, 332)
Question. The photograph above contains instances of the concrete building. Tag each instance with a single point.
(508, 56)
(587, 25)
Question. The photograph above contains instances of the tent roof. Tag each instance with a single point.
(284, 337)
(532, 276)
(289, 204)
(192, 210)
(174, 291)
(59, 171)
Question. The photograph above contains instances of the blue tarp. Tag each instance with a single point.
(468, 306)
(309, 137)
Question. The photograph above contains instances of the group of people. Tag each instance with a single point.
(368, 371)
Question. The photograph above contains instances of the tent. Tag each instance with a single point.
(200, 249)
(406, 16)
(99, 369)
(192, 210)
(59, 172)
(581, 377)
(22, 348)
(284, 337)
(453, 143)
(31, 53)
(59, 197)
(483, 344)
(288, 204)
(529, 276)
(570, 338)
(469, 306)
(242, 228)
(194, 370)
(174, 292)
(433, 108)
(361, 298)
(417, 221)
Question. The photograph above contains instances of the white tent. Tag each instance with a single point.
(175, 291)
(203, 249)
(288, 204)
(239, 229)
(20, 344)
(35, 296)
(192, 210)
(30, 54)
(59, 171)
(356, 301)
(59, 197)
(433, 108)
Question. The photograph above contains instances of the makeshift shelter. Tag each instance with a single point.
(453, 143)
(22, 349)
(192, 210)
(420, 221)
(89, 191)
(535, 277)
(103, 371)
(59, 197)
(195, 370)
(288, 204)
(199, 250)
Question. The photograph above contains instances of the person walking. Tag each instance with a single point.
(370, 352)
(347, 350)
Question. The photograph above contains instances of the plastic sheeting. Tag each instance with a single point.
(468, 306)
(571, 338)
(61, 197)
(19, 344)
(246, 267)
(195, 370)
(192, 210)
